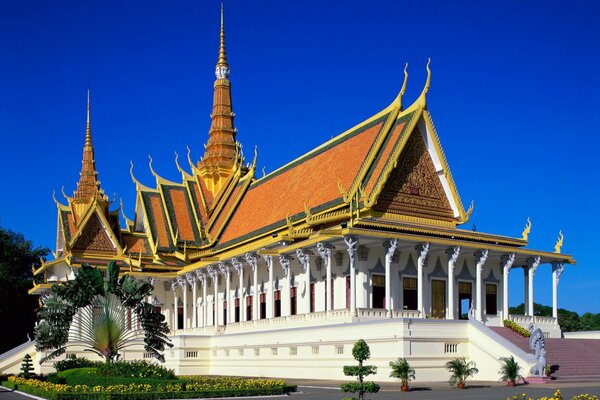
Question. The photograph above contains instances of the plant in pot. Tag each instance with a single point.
(509, 371)
(460, 371)
(403, 371)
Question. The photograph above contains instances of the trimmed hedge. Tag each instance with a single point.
(518, 329)
(286, 389)
(135, 369)
(72, 362)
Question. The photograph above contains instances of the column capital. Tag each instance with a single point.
(453, 253)
(481, 257)
(190, 278)
(252, 260)
(325, 250)
(559, 267)
(390, 247)
(423, 250)
(181, 281)
(268, 260)
(507, 261)
(304, 258)
(212, 272)
(200, 275)
(224, 270)
(174, 285)
(285, 262)
(237, 265)
(534, 263)
(352, 244)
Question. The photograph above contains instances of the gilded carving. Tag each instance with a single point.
(94, 237)
(414, 187)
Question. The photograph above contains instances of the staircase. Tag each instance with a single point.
(571, 359)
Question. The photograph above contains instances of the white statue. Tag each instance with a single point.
(537, 344)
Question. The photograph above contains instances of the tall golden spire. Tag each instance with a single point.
(221, 150)
(88, 186)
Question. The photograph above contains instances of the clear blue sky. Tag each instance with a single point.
(515, 96)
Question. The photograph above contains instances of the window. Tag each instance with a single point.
(277, 305)
(225, 312)
(179, 318)
(491, 299)
(378, 291)
(348, 291)
(293, 351)
(464, 299)
(409, 293)
(315, 349)
(312, 297)
(248, 308)
(263, 306)
(293, 302)
(339, 349)
(237, 310)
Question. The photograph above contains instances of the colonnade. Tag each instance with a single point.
(249, 262)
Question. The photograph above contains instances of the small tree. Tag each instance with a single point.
(360, 352)
(460, 370)
(26, 367)
(402, 370)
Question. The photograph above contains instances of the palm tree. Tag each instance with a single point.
(105, 308)
(403, 371)
(509, 371)
(460, 371)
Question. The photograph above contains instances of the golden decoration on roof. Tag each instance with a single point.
(559, 242)
(525, 234)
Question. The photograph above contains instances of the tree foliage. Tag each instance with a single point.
(104, 324)
(361, 353)
(569, 321)
(17, 257)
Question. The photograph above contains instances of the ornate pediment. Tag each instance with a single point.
(414, 187)
(94, 238)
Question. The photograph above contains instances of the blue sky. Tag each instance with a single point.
(515, 96)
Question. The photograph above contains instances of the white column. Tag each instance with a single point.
(533, 264)
(174, 285)
(252, 260)
(352, 244)
(390, 249)
(557, 270)
(453, 253)
(304, 259)
(204, 297)
(270, 292)
(215, 278)
(183, 285)
(224, 269)
(422, 250)
(239, 268)
(506, 262)
(285, 296)
(192, 281)
(526, 290)
(480, 258)
(325, 253)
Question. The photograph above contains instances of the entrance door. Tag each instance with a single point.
(438, 298)
(465, 294)
(378, 282)
(348, 291)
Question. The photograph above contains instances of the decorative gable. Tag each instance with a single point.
(414, 187)
(94, 238)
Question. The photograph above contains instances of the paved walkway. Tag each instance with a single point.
(329, 390)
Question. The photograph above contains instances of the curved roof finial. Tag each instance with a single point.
(131, 173)
(398, 100)
(422, 100)
(152, 169)
(189, 157)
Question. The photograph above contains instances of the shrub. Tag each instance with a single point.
(55, 378)
(509, 371)
(26, 367)
(516, 328)
(72, 361)
(135, 369)
(402, 370)
(460, 370)
(360, 352)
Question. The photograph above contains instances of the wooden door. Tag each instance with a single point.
(438, 298)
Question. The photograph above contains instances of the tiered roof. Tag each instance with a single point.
(386, 174)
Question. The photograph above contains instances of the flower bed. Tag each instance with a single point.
(190, 387)
(516, 328)
(557, 396)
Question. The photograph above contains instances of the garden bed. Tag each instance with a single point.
(179, 388)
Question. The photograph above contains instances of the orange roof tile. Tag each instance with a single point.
(135, 244)
(157, 219)
(313, 178)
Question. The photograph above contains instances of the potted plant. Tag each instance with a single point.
(402, 370)
(509, 371)
(460, 370)
(548, 370)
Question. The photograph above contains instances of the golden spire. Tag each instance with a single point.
(222, 69)
(88, 186)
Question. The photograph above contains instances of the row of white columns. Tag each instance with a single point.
(325, 251)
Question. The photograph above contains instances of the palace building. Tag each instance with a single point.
(279, 275)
